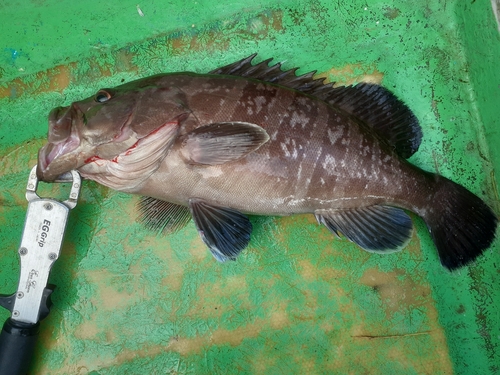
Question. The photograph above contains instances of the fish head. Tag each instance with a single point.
(106, 125)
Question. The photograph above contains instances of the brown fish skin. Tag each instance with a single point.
(312, 158)
(317, 157)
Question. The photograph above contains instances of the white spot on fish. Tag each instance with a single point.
(285, 149)
(333, 136)
(259, 102)
(290, 148)
(329, 164)
(299, 172)
(299, 119)
(214, 171)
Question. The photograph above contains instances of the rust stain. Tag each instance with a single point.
(210, 297)
(209, 41)
(398, 290)
(402, 293)
(259, 27)
(391, 13)
(16, 159)
(87, 330)
(263, 363)
(185, 346)
(234, 337)
(54, 79)
(58, 78)
(198, 251)
(110, 296)
(307, 270)
(351, 74)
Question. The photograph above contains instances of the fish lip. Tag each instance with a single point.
(63, 139)
(61, 122)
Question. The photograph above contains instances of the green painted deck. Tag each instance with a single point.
(297, 301)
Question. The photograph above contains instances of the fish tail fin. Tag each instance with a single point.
(460, 223)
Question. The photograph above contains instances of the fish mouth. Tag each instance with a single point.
(56, 157)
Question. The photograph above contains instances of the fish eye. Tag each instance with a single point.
(102, 96)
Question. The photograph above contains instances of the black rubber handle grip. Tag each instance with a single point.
(17, 343)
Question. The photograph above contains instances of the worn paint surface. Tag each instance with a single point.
(297, 300)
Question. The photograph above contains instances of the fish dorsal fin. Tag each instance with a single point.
(377, 229)
(224, 230)
(273, 74)
(376, 106)
(162, 216)
(222, 142)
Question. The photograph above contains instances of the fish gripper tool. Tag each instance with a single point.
(41, 242)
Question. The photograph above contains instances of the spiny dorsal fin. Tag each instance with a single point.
(273, 74)
(376, 106)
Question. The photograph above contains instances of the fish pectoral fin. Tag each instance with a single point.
(222, 142)
(224, 230)
(377, 228)
(162, 216)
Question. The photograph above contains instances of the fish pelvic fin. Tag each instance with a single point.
(224, 230)
(461, 225)
(376, 228)
(161, 216)
(374, 105)
(223, 142)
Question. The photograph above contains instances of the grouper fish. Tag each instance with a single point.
(256, 139)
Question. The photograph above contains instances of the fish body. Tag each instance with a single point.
(252, 139)
(316, 157)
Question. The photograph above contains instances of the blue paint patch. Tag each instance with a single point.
(13, 54)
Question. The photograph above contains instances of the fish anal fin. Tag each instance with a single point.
(222, 142)
(224, 230)
(376, 228)
(162, 216)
